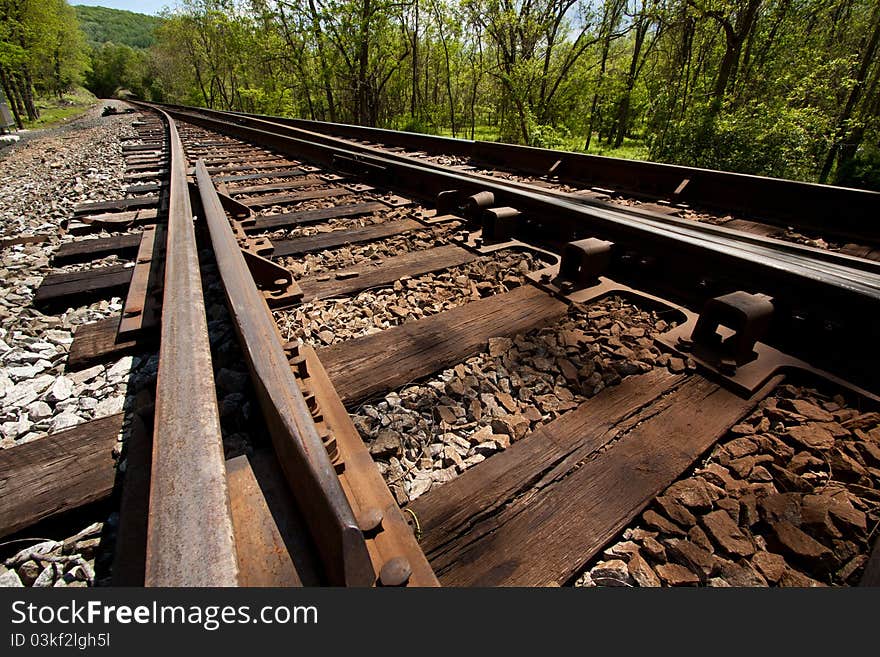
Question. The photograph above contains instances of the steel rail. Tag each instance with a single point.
(675, 224)
(833, 210)
(301, 452)
(190, 539)
(425, 182)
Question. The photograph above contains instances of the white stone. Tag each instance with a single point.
(64, 421)
(87, 403)
(61, 389)
(59, 337)
(26, 392)
(419, 486)
(22, 372)
(84, 376)
(120, 369)
(6, 384)
(46, 578)
(109, 406)
(10, 579)
(39, 410)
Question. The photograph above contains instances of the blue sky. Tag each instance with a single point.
(140, 6)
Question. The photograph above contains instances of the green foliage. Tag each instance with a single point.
(41, 49)
(55, 111)
(863, 170)
(102, 25)
(771, 87)
(120, 67)
(756, 138)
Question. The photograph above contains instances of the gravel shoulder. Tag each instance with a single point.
(44, 176)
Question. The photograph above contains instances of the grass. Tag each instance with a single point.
(631, 149)
(54, 112)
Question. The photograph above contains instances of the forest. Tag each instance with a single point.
(787, 88)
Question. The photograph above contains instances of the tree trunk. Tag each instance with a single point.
(609, 20)
(28, 93)
(735, 35)
(855, 95)
(4, 81)
(415, 64)
(363, 62)
(618, 132)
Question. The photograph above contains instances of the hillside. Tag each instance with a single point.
(102, 24)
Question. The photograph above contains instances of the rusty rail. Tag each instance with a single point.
(190, 538)
(301, 451)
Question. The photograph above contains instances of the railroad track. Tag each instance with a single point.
(654, 338)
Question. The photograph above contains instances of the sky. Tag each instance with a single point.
(140, 6)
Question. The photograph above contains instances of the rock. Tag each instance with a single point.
(654, 549)
(740, 447)
(611, 573)
(25, 392)
(807, 409)
(419, 486)
(84, 376)
(637, 534)
(845, 467)
(481, 435)
(727, 534)
(772, 566)
(687, 554)
(623, 550)
(676, 365)
(6, 384)
(499, 346)
(748, 510)
(801, 546)
(39, 410)
(844, 513)
(58, 337)
(661, 524)
(852, 566)
(794, 578)
(506, 401)
(109, 406)
(64, 421)
(9, 579)
(62, 389)
(788, 480)
(698, 537)
(760, 473)
(676, 512)
(811, 436)
(641, 572)
(447, 414)
(693, 493)
(803, 460)
(515, 426)
(674, 574)
(46, 578)
(816, 515)
(443, 475)
(739, 574)
(742, 429)
(231, 381)
(120, 368)
(782, 506)
(28, 572)
(386, 444)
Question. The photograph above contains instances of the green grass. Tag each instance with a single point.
(54, 112)
(631, 149)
